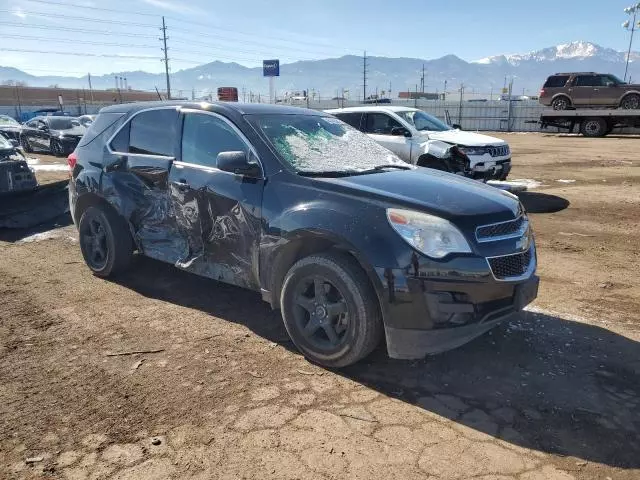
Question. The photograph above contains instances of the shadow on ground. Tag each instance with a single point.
(543, 382)
(537, 202)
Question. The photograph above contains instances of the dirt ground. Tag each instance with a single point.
(221, 393)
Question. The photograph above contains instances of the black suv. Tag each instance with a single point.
(57, 135)
(333, 229)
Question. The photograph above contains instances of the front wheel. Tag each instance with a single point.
(105, 241)
(630, 102)
(330, 310)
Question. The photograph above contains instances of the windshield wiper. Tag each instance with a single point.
(349, 173)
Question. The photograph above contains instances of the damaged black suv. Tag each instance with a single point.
(347, 240)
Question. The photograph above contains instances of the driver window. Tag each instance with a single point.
(380, 124)
(205, 136)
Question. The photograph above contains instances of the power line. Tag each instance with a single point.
(77, 30)
(75, 5)
(84, 19)
(78, 54)
(73, 40)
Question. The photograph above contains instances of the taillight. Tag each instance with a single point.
(542, 92)
(72, 159)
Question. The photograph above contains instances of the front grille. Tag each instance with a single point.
(515, 228)
(510, 266)
(499, 151)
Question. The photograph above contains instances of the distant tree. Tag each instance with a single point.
(55, 85)
(14, 83)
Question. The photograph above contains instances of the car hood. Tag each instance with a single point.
(461, 137)
(9, 128)
(458, 199)
(72, 132)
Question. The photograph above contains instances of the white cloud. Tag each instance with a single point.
(172, 6)
(19, 13)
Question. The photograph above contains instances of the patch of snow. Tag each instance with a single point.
(49, 235)
(527, 183)
(564, 180)
(51, 167)
(33, 161)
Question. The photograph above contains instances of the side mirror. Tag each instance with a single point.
(457, 126)
(238, 163)
(42, 128)
(400, 131)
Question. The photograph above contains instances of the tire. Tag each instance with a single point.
(561, 103)
(56, 148)
(329, 292)
(630, 102)
(594, 127)
(25, 145)
(105, 241)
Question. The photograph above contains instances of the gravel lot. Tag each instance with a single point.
(222, 393)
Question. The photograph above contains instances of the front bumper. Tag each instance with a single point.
(492, 170)
(428, 312)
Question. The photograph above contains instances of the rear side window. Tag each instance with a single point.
(352, 118)
(587, 81)
(99, 125)
(380, 124)
(154, 132)
(556, 81)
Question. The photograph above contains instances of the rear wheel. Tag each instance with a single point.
(594, 127)
(330, 310)
(56, 148)
(105, 241)
(561, 103)
(630, 102)
(25, 145)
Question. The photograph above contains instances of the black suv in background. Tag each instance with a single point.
(345, 238)
(56, 135)
(563, 91)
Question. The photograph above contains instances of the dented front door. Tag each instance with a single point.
(217, 212)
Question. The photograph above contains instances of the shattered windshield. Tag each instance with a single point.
(423, 121)
(312, 143)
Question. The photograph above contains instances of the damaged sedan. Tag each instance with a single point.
(347, 240)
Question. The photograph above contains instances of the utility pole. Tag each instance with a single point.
(90, 87)
(166, 57)
(631, 26)
(125, 84)
(364, 76)
(460, 106)
(244, 95)
(444, 94)
(422, 79)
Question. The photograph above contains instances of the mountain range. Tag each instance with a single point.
(328, 76)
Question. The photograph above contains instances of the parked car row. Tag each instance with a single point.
(352, 242)
(57, 135)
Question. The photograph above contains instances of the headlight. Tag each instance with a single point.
(433, 236)
(473, 150)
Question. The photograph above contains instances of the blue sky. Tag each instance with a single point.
(249, 30)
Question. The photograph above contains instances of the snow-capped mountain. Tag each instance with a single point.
(579, 50)
(328, 76)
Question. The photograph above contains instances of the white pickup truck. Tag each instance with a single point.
(420, 139)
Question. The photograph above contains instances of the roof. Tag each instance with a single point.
(373, 108)
(578, 73)
(242, 108)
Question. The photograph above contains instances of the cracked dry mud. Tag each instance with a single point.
(553, 396)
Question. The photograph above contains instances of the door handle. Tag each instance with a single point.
(182, 184)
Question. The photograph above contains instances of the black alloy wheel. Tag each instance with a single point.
(560, 103)
(321, 313)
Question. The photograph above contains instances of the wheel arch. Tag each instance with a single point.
(304, 243)
(92, 199)
(626, 94)
(562, 94)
